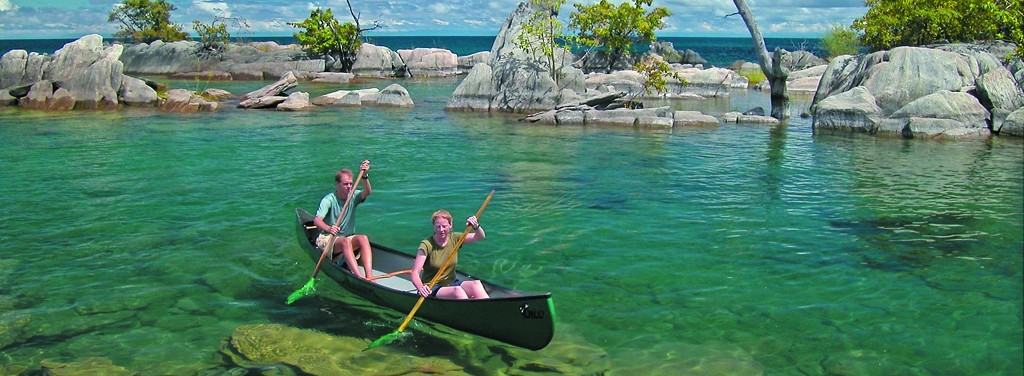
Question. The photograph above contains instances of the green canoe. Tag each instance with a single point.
(519, 318)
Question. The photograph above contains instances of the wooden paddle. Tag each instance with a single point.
(388, 338)
(309, 287)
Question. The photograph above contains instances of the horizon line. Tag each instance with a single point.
(729, 36)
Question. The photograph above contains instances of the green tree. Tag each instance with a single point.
(541, 34)
(146, 21)
(616, 28)
(656, 73)
(893, 23)
(213, 37)
(840, 40)
(324, 35)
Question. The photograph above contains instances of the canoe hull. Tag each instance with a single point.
(518, 318)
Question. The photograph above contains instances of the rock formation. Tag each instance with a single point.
(84, 74)
(514, 80)
(918, 92)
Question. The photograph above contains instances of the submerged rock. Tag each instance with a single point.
(318, 353)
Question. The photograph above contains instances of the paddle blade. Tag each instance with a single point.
(386, 339)
(304, 291)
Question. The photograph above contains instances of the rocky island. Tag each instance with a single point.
(950, 91)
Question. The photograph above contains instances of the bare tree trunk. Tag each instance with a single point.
(770, 65)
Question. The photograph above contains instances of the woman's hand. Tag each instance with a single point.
(472, 221)
(424, 291)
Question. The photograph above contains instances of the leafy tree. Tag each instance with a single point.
(616, 28)
(324, 35)
(146, 21)
(542, 33)
(892, 23)
(656, 73)
(213, 38)
(840, 40)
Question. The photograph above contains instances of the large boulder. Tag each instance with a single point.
(44, 95)
(394, 96)
(475, 92)
(297, 101)
(347, 97)
(184, 101)
(469, 61)
(241, 61)
(944, 113)
(518, 81)
(1014, 124)
(953, 91)
(430, 62)
(163, 58)
(711, 82)
(800, 60)
(285, 83)
(378, 61)
(899, 76)
(18, 67)
(804, 81)
(851, 111)
(91, 72)
(135, 92)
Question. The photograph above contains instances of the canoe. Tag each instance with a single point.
(518, 318)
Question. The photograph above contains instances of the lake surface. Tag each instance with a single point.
(146, 239)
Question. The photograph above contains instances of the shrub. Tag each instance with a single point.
(841, 40)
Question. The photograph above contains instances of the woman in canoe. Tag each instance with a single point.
(435, 250)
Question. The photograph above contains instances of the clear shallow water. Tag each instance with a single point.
(147, 238)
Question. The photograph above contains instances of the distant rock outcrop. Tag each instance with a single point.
(672, 56)
(378, 61)
(248, 61)
(918, 92)
(430, 62)
(84, 74)
(515, 80)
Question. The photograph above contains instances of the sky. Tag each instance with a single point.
(42, 19)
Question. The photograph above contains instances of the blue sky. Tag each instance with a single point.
(28, 19)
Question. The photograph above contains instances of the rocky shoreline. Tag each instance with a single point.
(947, 91)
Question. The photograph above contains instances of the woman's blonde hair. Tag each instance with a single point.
(441, 214)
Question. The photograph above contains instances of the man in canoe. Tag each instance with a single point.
(434, 251)
(342, 234)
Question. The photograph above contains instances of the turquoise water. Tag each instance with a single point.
(146, 239)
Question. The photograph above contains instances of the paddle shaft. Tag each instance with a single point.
(330, 239)
(451, 257)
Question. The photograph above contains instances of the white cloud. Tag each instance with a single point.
(214, 8)
(441, 8)
(476, 22)
(6, 6)
(441, 22)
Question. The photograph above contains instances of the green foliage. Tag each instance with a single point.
(146, 21)
(542, 32)
(324, 35)
(213, 38)
(616, 28)
(892, 23)
(656, 73)
(754, 76)
(841, 40)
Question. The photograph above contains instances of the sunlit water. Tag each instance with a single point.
(146, 238)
